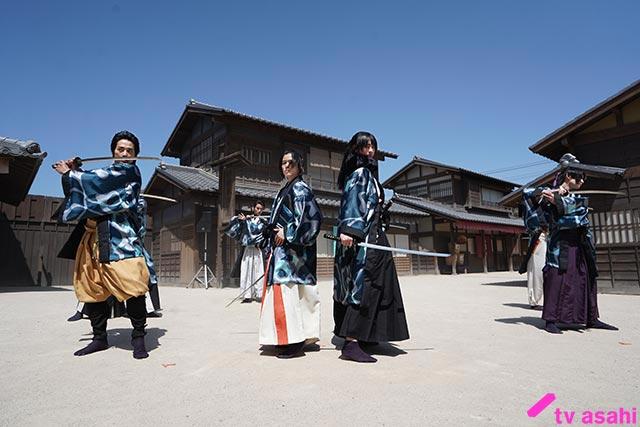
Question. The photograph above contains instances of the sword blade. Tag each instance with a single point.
(391, 249)
(153, 196)
(78, 161)
(403, 251)
(244, 291)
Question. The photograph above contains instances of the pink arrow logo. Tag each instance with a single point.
(541, 405)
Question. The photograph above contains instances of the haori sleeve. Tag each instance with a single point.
(304, 227)
(572, 210)
(534, 216)
(255, 235)
(101, 192)
(234, 229)
(357, 204)
(141, 215)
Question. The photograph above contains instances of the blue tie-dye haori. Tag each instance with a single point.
(141, 211)
(113, 192)
(569, 213)
(295, 209)
(535, 218)
(248, 232)
(358, 206)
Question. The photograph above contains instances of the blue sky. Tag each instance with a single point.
(469, 83)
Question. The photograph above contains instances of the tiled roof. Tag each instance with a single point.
(451, 212)
(197, 106)
(16, 148)
(417, 160)
(188, 178)
(25, 160)
(196, 179)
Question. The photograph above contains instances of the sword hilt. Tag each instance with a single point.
(77, 162)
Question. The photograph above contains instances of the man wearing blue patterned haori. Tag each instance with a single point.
(290, 313)
(152, 298)
(249, 232)
(110, 258)
(570, 289)
(368, 305)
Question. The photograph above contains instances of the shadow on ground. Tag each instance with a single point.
(8, 289)
(525, 306)
(540, 323)
(379, 349)
(524, 320)
(121, 338)
(512, 283)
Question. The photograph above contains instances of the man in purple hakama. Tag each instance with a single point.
(570, 289)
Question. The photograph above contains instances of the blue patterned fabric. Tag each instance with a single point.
(535, 218)
(358, 207)
(569, 213)
(114, 192)
(141, 211)
(248, 232)
(296, 211)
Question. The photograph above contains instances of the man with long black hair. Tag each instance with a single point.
(367, 305)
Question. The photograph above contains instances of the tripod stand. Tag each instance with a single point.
(204, 270)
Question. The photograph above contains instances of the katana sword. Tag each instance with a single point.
(615, 193)
(79, 161)
(391, 249)
(153, 196)
(586, 192)
(244, 292)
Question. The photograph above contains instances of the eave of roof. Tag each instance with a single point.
(417, 160)
(453, 213)
(200, 107)
(598, 111)
(195, 179)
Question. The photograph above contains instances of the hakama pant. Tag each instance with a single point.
(94, 281)
(380, 317)
(290, 314)
(251, 269)
(535, 277)
(570, 296)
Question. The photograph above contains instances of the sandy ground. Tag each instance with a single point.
(477, 356)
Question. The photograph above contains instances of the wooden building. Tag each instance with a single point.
(31, 241)
(26, 232)
(19, 164)
(227, 161)
(464, 217)
(609, 135)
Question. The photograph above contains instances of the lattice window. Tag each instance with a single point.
(618, 227)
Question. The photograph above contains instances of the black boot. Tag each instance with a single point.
(352, 351)
(291, 350)
(552, 328)
(98, 313)
(597, 324)
(139, 349)
(138, 315)
(76, 316)
(93, 347)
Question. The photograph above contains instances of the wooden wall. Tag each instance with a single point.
(30, 242)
